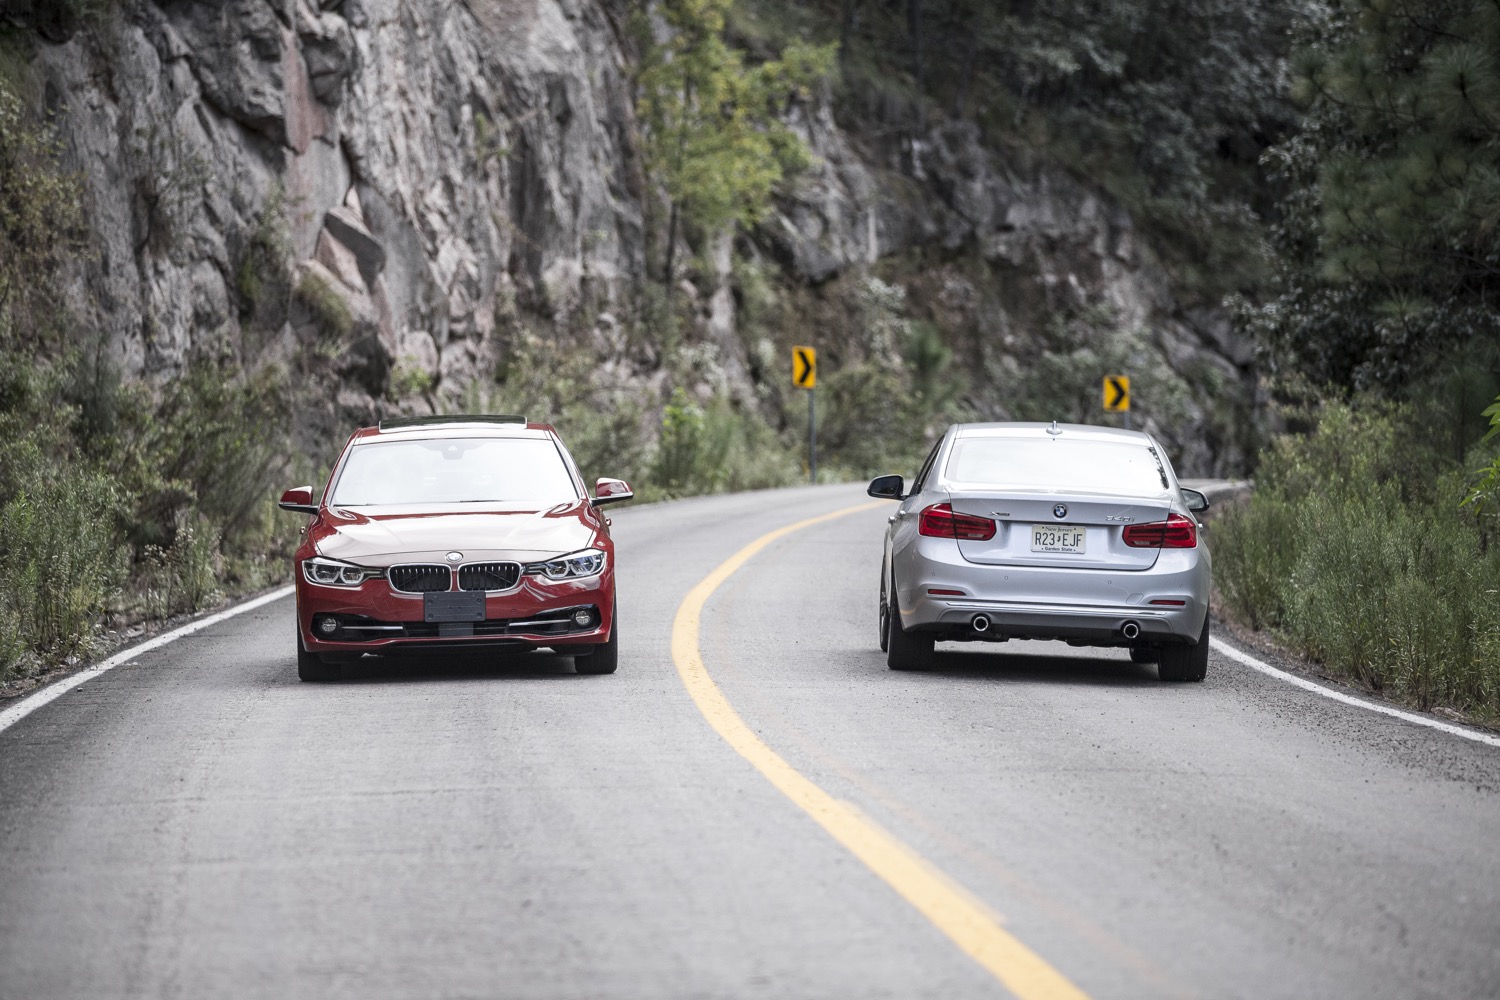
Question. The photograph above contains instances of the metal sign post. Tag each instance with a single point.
(805, 376)
(1117, 396)
(812, 436)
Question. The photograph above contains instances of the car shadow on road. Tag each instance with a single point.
(457, 666)
(1065, 668)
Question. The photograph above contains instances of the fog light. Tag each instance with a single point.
(583, 618)
(327, 626)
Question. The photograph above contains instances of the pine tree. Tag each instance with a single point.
(1389, 249)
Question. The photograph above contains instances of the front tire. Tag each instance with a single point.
(605, 657)
(310, 666)
(1185, 663)
(905, 650)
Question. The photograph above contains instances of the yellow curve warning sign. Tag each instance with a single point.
(805, 367)
(1117, 393)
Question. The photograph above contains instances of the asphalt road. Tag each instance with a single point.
(201, 824)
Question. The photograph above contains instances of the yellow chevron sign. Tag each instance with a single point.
(1117, 393)
(805, 367)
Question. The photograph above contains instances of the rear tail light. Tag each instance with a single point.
(939, 521)
(1176, 532)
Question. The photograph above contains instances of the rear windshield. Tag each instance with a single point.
(1093, 466)
(453, 470)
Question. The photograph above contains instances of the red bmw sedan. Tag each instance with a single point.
(455, 532)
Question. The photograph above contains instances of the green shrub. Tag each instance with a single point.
(1252, 560)
(327, 306)
(59, 564)
(169, 492)
(866, 416)
(263, 272)
(878, 413)
(1483, 493)
(409, 379)
(214, 441)
(718, 447)
(693, 447)
(758, 457)
(184, 578)
(197, 563)
(1367, 564)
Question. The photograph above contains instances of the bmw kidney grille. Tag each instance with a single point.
(489, 576)
(420, 578)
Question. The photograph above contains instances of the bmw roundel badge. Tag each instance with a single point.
(454, 556)
(1060, 510)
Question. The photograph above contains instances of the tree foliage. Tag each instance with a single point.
(1388, 249)
(713, 137)
(1484, 492)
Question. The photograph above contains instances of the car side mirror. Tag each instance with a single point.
(1196, 502)
(299, 500)
(611, 491)
(887, 488)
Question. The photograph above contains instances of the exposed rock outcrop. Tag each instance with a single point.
(438, 172)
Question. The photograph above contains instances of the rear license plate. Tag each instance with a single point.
(453, 606)
(1064, 538)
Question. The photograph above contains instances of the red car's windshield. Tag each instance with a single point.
(453, 470)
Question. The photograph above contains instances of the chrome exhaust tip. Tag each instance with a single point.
(1130, 630)
(980, 623)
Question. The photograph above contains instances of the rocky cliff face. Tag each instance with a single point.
(441, 174)
(432, 163)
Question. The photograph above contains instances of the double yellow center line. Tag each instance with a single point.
(966, 921)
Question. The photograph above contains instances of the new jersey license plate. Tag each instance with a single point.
(1065, 538)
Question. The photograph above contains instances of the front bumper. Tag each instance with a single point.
(373, 618)
(1082, 606)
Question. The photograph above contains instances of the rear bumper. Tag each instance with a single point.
(1099, 626)
(1077, 605)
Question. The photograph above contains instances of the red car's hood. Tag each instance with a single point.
(388, 535)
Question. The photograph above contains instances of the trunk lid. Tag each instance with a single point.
(1094, 523)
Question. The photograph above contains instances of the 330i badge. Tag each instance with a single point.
(455, 532)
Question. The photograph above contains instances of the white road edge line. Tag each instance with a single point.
(39, 699)
(1307, 685)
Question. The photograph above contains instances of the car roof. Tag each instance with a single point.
(458, 425)
(1054, 430)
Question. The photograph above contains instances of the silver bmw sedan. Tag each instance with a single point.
(1046, 531)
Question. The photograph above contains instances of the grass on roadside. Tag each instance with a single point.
(1355, 551)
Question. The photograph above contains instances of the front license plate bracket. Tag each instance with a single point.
(453, 606)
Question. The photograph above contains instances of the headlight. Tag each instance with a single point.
(332, 573)
(585, 562)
